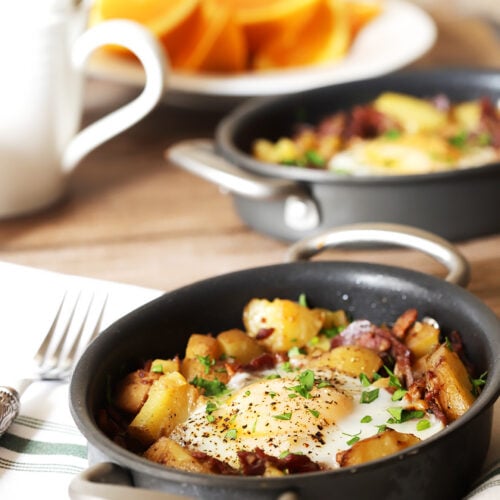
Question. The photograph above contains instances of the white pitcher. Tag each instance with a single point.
(44, 46)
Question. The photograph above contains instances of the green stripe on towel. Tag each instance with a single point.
(34, 467)
(37, 423)
(21, 445)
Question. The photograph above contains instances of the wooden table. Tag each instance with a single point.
(130, 217)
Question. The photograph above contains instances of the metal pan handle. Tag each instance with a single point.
(109, 481)
(393, 234)
(199, 157)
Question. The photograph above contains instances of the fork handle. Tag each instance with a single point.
(9, 407)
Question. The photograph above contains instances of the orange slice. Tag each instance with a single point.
(324, 38)
(208, 40)
(159, 16)
(362, 12)
(264, 20)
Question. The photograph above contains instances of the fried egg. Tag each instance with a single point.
(407, 154)
(303, 412)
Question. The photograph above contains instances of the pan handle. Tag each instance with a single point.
(393, 234)
(198, 156)
(108, 481)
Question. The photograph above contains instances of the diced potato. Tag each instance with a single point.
(203, 345)
(419, 367)
(422, 339)
(334, 319)
(167, 452)
(132, 391)
(167, 405)
(414, 114)
(167, 365)
(468, 115)
(271, 471)
(448, 377)
(192, 368)
(281, 324)
(380, 445)
(350, 359)
(238, 345)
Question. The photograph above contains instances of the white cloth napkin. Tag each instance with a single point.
(43, 449)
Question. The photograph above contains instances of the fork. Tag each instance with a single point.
(52, 364)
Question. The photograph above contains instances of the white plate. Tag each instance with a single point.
(400, 35)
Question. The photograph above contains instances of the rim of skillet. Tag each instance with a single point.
(82, 376)
(452, 78)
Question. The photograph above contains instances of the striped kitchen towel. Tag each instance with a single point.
(43, 450)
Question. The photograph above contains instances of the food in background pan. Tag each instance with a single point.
(392, 135)
(238, 35)
(301, 389)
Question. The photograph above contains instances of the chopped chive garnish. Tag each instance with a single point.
(398, 394)
(363, 378)
(231, 434)
(369, 396)
(207, 362)
(423, 424)
(283, 416)
(303, 300)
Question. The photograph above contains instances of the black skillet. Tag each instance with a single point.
(442, 467)
(291, 203)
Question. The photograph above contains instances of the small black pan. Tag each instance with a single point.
(290, 203)
(437, 468)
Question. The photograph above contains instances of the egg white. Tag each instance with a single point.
(269, 414)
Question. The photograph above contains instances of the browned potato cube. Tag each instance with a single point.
(448, 377)
(380, 445)
(192, 368)
(167, 405)
(203, 345)
(422, 339)
(166, 365)
(167, 452)
(350, 359)
(131, 392)
(238, 345)
(281, 324)
(334, 319)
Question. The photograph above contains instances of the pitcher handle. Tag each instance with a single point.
(146, 48)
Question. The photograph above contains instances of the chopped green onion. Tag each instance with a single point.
(333, 331)
(207, 362)
(366, 419)
(392, 134)
(314, 158)
(231, 434)
(283, 416)
(211, 387)
(158, 368)
(365, 381)
(423, 424)
(303, 300)
(369, 396)
(399, 394)
(477, 383)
